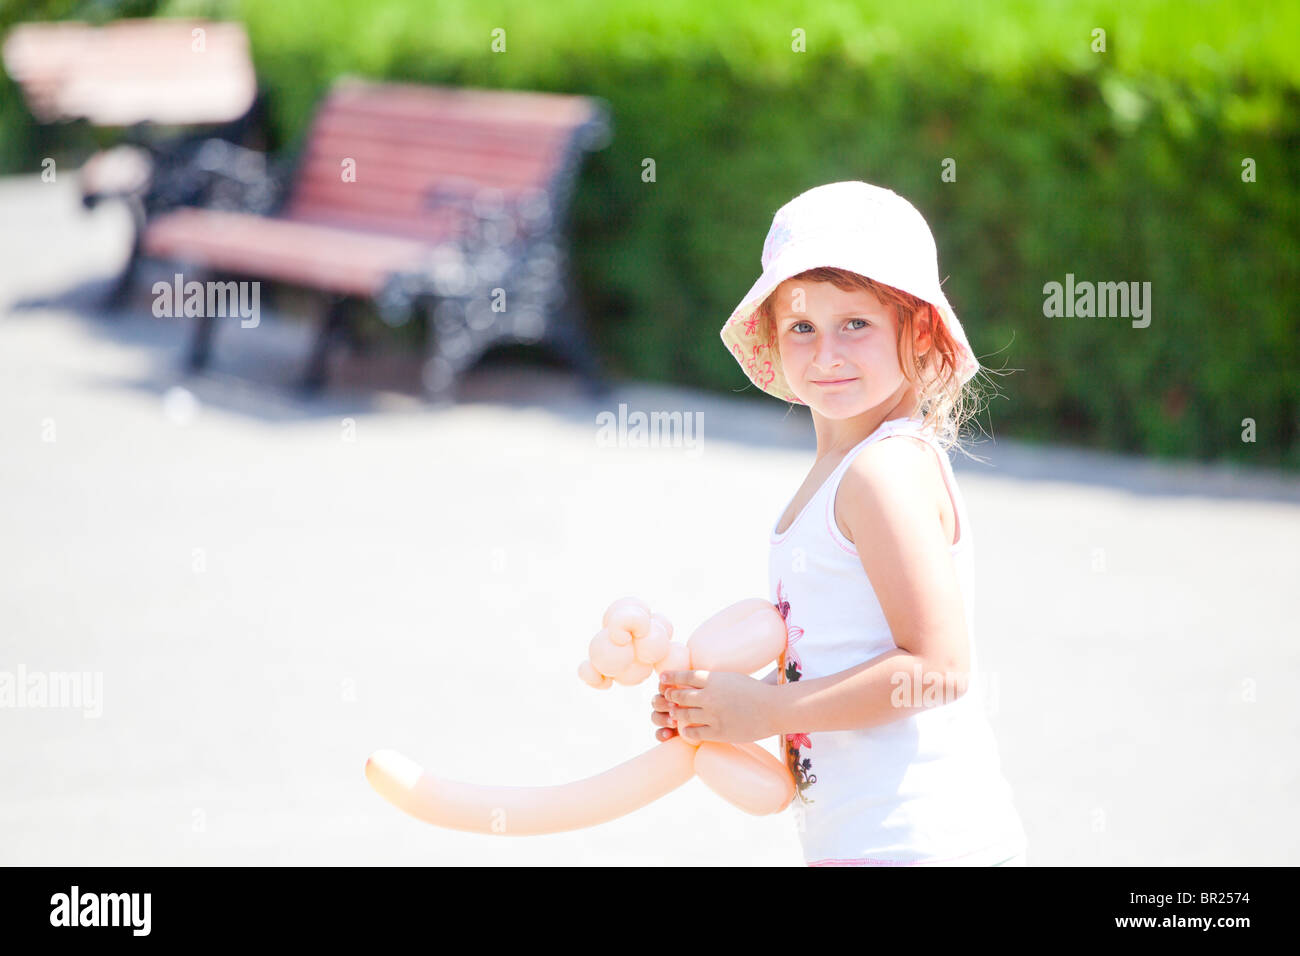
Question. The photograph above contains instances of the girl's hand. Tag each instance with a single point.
(659, 716)
(713, 705)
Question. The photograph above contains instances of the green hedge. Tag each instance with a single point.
(1122, 166)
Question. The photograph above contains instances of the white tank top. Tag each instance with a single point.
(924, 789)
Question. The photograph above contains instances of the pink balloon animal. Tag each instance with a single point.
(632, 643)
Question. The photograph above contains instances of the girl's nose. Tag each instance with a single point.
(825, 358)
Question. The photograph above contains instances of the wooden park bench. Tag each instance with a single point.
(179, 72)
(174, 89)
(443, 202)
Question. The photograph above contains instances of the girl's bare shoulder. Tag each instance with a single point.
(892, 468)
(891, 484)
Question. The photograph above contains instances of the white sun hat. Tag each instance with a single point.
(851, 225)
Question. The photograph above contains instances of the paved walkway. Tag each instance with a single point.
(272, 588)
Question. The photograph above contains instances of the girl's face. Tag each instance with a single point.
(839, 349)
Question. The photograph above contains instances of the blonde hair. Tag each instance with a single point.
(945, 403)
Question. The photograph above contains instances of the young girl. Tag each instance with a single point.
(871, 563)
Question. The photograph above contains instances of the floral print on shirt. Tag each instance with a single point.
(800, 767)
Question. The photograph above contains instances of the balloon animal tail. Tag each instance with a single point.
(528, 811)
(631, 644)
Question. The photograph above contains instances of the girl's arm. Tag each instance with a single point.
(771, 678)
(888, 502)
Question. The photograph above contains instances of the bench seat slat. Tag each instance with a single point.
(318, 255)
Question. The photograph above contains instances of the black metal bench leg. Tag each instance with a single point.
(119, 293)
(452, 347)
(332, 324)
(571, 346)
(201, 343)
(566, 336)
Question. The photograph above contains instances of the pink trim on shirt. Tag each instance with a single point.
(870, 861)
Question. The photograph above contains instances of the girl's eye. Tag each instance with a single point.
(795, 327)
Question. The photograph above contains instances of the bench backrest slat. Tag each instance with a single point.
(407, 140)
